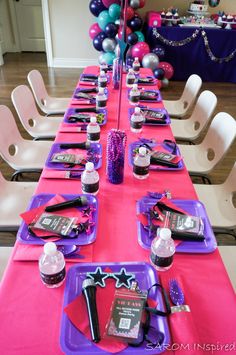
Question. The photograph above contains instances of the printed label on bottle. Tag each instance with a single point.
(134, 98)
(136, 125)
(130, 81)
(101, 103)
(90, 188)
(136, 68)
(102, 84)
(93, 136)
(53, 279)
(161, 261)
(140, 170)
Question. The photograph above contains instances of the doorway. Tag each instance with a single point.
(28, 25)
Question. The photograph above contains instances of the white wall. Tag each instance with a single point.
(71, 45)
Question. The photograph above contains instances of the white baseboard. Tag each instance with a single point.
(73, 62)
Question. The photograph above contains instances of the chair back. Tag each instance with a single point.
(25, 107)
(219, 138)
(230, 182)
(10, 138)
(36, 82)
(203, 111)
(191, 90)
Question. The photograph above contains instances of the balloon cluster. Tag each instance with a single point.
(106, 30)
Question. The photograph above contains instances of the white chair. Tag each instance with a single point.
(179, 108)
(200, 159)
(38, 126)
(218, 200)
(191, 128)
(21, 154)
(48, 104)
(14, 198)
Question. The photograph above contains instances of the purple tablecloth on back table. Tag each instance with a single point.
(193, 57)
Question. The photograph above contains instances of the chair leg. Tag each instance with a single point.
(18, 173)
(205, 179)
(43, 138)
(218, 230)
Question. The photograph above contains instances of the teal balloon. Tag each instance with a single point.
(114, 11)
(140, 35)
(103, 19)
(108, 57)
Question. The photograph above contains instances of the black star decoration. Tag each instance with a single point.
(123, 278)
(98, 276)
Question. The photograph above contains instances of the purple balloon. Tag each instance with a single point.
(96, 6)
(159, 51)
(159, 73)
(135, 23)
(111, 30)
(132, 39)
(97, 41)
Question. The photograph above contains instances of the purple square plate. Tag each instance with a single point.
(96, 148)
(194, 208)
(136, 144)
(161, 110)
(72, 111)
(74, 342)
(83, 239)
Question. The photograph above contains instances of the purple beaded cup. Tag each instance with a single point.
(116, 142)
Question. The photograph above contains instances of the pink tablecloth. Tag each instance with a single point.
(30, 313)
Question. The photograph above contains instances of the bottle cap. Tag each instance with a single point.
(131, 71)
(102, 73)
(50, 248)
(136, 58)
(93, 119)
(165, 233)
(135, 87)
(137, 109)
(142, 151)
(89, 166)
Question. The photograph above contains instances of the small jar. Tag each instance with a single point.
(134, 95)
(102, 79)
(101, 98)
(130, 78)
(93, 131)
(136, 121)
(52, 266)
(141, 164)
(162, 250)
(90, 180)
(136, 65)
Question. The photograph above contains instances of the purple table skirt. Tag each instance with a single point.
(193, 57)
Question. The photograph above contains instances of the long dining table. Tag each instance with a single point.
(30, 313)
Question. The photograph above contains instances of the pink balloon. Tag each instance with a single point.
(108, 3)
(168, 69)
(140, 49)
(94, 30)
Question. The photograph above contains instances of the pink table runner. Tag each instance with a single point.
(30, 313)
